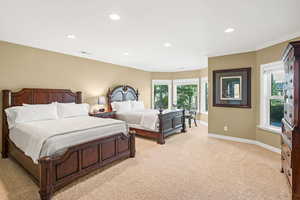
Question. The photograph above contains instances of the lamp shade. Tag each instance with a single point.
(101, 100)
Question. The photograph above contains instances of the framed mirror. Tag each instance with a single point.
(232, 88)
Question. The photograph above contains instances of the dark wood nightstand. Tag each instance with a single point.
(111, 114)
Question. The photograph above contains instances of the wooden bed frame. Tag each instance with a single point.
(169, 123)
(54, 172)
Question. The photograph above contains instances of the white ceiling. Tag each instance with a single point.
(195, 28)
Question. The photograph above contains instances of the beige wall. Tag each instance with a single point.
(22, 67)
(243, 122)
(182, 75)
(240, 122)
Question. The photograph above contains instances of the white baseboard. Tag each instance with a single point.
(204, 123)
(236, 139)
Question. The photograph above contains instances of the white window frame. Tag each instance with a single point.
(204, 80)
(163, 82)
(265, 95)
(177, 82)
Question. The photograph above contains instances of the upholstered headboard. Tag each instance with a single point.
(33, 96)
(122, 93)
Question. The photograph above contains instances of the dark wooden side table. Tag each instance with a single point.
(104, 114)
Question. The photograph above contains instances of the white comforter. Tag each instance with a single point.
(147, 118)
(35, 134)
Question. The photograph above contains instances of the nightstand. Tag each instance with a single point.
(111, 114)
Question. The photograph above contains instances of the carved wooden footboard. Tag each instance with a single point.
(169, 124)
(79, 160)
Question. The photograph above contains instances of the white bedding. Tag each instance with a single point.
(45, 138)
(146, 119)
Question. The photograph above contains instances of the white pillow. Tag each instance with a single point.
(137, 105)
(122, 106)
(11, 115)
(22, 114)
(72, 110)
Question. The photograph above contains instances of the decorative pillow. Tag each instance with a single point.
(122, 106)
(72, 110)
(137, 105)
(22, 114)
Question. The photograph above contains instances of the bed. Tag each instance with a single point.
(168, 122)
(53, 170)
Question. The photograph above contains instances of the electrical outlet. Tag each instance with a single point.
(225, 128)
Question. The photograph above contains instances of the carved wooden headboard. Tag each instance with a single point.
(33, 96)
(122, 93)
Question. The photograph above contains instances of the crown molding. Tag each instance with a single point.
(262, 46)
(277, 41)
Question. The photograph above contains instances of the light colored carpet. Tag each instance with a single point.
(188, 167)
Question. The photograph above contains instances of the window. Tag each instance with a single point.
(161, 94)
(204, 96)
(272, 80)
(185, 94)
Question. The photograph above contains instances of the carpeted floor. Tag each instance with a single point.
(188, 167)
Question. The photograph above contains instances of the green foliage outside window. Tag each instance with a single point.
(276, 105)
(187, 97)
(276, 112)
(161, 96)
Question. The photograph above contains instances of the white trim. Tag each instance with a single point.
(240, 88)
(268, 147)
(259, 47)
(265, 93)
(270, 129)
(203, 81)
(247, 141)
(272, 65)
(186, 81)
(204, 123)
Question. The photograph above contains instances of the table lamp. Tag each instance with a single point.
(101, 102)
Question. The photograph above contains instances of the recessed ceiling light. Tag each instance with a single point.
(167, 44)
(71, 36)
(229, 30)
(126, 54)
(85, 53)
(114, 16)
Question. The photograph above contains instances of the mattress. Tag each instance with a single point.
(58, 143)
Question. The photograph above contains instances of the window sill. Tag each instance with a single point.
(204, 113)
(270, 129)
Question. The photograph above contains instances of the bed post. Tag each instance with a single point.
(6, 97)
(78, 97)
(132, 143)
(46, 186)
(137, 94)
(161, 138)
(183, 130)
